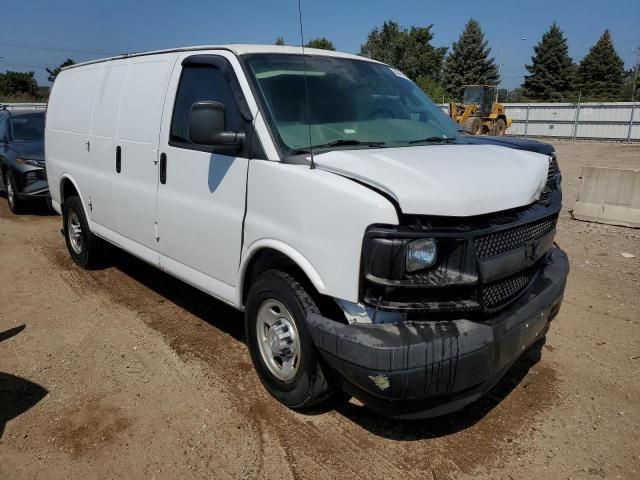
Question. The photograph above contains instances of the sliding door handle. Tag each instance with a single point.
(118, 159)
(163, 168)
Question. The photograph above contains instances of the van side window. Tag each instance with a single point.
(200, 83)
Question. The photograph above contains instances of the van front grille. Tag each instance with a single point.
(501, 292)
(507, 240)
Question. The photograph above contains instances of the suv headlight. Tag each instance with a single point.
(28, 161)
(420, 254)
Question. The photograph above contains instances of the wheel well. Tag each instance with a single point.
(67, 190)
(268, 259)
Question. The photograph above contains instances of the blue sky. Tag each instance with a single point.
(92, 29)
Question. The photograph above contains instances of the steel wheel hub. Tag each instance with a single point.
(278, 339)
(10, 192)
(74, 231)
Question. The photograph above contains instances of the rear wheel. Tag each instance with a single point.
(84, 247)
(280, 345)
(15, 203)
(501, 126)
(473, 125)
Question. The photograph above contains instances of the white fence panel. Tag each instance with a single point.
(604, 121)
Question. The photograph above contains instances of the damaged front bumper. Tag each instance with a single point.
(418, 369)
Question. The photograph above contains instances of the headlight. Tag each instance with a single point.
(27, 161)
(31, 177)
(420, 254)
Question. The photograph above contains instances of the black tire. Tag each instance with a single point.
(16, 205)
(309, 386)
(90, 251)
(501, 126)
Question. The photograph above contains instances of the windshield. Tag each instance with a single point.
(352, 104)
(28, 127)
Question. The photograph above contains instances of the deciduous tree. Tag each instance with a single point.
(322, 43)
(432, 88)
(407, 49)
(18, 84)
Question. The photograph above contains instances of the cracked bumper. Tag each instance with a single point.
(421, 369)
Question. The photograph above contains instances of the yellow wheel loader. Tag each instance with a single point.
(480, 113)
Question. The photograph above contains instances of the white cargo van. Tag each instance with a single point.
(372, 246)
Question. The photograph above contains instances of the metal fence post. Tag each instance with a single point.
(577, 119)
(526, 122)
(633, 111)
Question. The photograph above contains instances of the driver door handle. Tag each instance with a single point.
(118, 159)
(163, 168)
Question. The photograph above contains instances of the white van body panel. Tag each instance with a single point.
(446, 180)
(278, 245)
(319, 214)
(236, 49)
(103, 140)
(201, 206)
(94, 109)
(67, 128)
(138, 130)
(134, 248)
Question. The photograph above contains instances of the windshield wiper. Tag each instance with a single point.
(339, 143)
(433, 139)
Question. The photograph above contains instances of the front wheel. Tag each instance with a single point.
(280, 345)
(473, 125)
(84, 247)
(15, 203)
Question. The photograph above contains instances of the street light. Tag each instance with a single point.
(502, 44)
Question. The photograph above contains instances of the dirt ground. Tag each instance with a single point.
(127, 373)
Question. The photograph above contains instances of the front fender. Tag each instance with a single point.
(287, 250)
(60, 193)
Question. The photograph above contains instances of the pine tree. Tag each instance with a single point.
(469, 62)
(552, 70)
(53, 72)
(601, 72)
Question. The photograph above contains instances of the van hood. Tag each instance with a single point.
(445, 180)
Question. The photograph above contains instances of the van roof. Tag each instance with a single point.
(238, 49)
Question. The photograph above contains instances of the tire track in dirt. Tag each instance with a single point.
(349, 441)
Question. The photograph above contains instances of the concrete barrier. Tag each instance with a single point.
(609, 195)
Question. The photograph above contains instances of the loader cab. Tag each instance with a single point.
(481, 95)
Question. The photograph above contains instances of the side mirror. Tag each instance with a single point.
(207, 126)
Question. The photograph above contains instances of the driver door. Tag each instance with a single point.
(201, 194)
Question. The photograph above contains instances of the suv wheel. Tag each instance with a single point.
(15, 204)
(84, 247)
(281, 348)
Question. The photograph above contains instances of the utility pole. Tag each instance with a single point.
(635, 75)
(502, 44)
